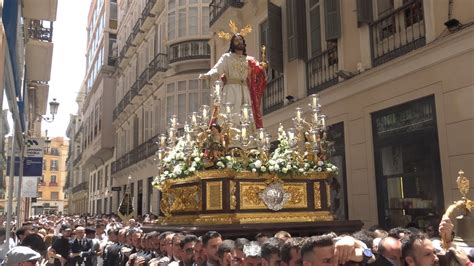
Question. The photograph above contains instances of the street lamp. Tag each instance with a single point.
(53, 110)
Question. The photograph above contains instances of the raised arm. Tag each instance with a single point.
(217, 70)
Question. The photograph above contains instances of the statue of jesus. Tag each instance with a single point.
(243, 76)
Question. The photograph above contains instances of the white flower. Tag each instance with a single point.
(258, 164)
(301, 170)
(334, 167)
(284, 170)
(220, 164)
(263, 169)
(228, 157)
(254, 170)
(197, 159)
(276, 167)
(193, 164)
(320, 163)
(271, 162)
(192, 169)
(329, 169)
(319, 169)
(271, 168)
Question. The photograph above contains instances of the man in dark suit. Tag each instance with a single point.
(81, 249)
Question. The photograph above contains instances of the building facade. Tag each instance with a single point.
(163, 47)
(94, 144)
(395, 82)
(51, 197)
(26, 48)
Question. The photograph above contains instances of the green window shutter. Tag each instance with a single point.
(364, 11)
(333, 19)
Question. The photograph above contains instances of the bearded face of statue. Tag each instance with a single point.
(237, 43)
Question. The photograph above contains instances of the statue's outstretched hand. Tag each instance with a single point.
(203, 76)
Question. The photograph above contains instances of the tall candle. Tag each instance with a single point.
(314, 101)
(244, 133)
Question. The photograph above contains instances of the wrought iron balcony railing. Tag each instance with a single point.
(321, 70)
(158, 64)
(397, 33)
(274, 96)
(81, 187)
(40, 31)
(198, 49)
(218, 7)
(141, 152)
(147, 9)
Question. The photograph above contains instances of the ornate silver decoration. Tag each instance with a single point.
(274, 196)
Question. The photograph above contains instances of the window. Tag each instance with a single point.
(54, 195)
(182, 108)
(54, 165)
(205, 20)
(53, 179)
(171, 25)
(193, 21)
(182, 22)
(315, 28)
(169, 107)
(39, 194)
(157, 117)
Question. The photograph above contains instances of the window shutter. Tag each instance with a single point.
(333, 19)
(301, 29)
(274, 46)
(364, 11)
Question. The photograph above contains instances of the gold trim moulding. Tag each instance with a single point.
(230, 174)
(248, 218)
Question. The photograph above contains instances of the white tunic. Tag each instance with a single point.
(236, 69)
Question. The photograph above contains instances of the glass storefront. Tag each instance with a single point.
(338, 183)
(407, 164)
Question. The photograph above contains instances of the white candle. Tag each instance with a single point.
(244, 133)
(174, 121)
(314, 103)
(323, 122)
(298, 114)
(315, 117)
(246, 112)
(163, 140)
(194, 118)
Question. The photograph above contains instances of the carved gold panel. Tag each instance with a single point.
(233, 197)
(328, 194)
(214, 195)
(317, 195)
(299, 196)
(249, 198)
(181, 199)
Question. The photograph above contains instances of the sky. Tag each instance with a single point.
(69, 39)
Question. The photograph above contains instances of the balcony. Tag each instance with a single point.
(218, 7)
(274, 96)
(53, 184)
(147, 15)
(84, 186)
(397, 33)
(142, 152)
(40, 30)
(158, 64)
(77, 160)
(321, 70)
(138, 34)
(190, 50)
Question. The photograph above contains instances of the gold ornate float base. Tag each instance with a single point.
(220, 197)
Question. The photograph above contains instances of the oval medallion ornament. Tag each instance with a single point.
(274, 196)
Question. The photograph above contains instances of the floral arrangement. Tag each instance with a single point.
(177, 164)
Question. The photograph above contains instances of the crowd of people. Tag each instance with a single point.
(74, 240)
